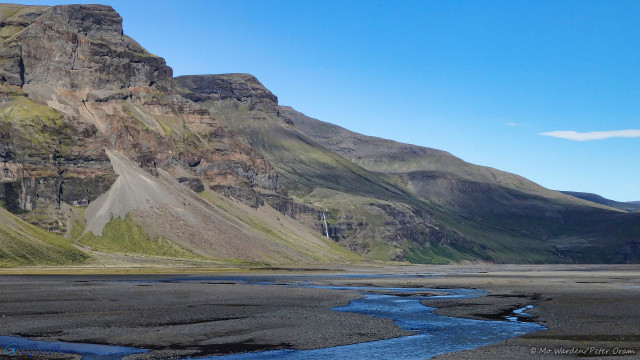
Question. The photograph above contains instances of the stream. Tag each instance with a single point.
(434, 334)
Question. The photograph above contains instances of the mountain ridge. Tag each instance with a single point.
(629, 206)
(288, 124)
(108, 151)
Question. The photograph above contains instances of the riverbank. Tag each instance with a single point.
(582, 306)
(589, 310)
(182, 318)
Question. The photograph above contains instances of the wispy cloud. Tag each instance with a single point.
(514, 124)
(593, 135)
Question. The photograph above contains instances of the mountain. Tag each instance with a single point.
(93, 131)
(504, 203)
(390, 200)
(107, 156)
(626, 206)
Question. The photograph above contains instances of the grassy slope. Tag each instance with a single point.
(24, 244)
(391, 157)
(125, 236)
(626, 206)
(267, 222)
(505, 212)
(307, 168)
(302, 164)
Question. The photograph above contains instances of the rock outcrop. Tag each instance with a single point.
(74, 47)
(72, 85)
(244, 88)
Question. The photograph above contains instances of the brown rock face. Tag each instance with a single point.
(102, 90)
(244, 88)
(74, 47)
(74, 88)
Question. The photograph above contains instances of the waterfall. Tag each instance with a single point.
(326, 228)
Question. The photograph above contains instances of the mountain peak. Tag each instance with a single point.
(73, 47)
(241, 87)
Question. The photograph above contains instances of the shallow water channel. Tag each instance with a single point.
(435, 334)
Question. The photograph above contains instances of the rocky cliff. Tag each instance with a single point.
(72, 85)
(244, 88)
(74, 47)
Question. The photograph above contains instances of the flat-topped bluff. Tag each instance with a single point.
(73, 47)
(244, 88)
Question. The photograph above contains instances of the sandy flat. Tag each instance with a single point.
(197, 318)
(592, 310)
(583, 307)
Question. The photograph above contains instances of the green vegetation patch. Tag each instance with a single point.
(434, 254)
(10, 30)
(23, 244)
(35, 129)
(125, 236)
(78, 223)
(170, 124)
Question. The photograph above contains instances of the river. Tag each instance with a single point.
(434, 334)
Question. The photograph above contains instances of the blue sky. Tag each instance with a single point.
(512, 85)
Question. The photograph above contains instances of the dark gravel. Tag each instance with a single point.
(189, 317)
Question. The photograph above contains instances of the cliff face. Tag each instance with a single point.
(74, 47)
(244, 88)
(72, 85)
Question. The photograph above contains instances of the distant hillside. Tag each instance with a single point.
(383, 199)
(626, 206)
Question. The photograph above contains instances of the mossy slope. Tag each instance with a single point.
(23, 244)
(125, 236)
